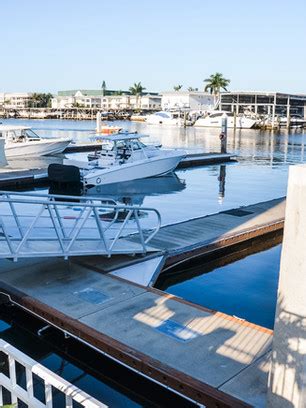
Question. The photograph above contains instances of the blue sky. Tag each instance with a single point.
(52, 45)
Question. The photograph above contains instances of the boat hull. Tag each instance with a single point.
(34, 149)
(241, 123)
(156, 166)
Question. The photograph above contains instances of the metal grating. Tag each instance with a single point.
(237, 212)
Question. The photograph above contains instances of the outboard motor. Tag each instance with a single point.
(61, 173)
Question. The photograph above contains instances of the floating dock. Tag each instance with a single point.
(210, 357)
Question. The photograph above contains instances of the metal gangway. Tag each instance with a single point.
(45, 225)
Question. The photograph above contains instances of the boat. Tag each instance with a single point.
(130, 192)
(165, 118)
(108, 130)
(294, 121)
(214, 119)
(123, 158)
(22, 141)
(138, 118)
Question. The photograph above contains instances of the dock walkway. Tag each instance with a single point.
(213, 358)
(200, 236)
(196, 351)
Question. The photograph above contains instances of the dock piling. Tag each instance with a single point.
(98, 122)
(287, 378)
(223, 135)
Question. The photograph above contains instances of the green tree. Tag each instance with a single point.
(177, 87)
(40, 100)
(137, 90)
(215, 83)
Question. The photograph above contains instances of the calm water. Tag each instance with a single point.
(260, 174)
(246, 288)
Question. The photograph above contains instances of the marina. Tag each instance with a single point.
(126, 286)
(152, 205)
(141, 306)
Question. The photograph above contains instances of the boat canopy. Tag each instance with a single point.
(7, 128)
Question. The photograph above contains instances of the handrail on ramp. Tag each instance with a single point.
(43, 225)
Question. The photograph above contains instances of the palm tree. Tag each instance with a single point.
(177, 87)
(215, 83)
(137, 90)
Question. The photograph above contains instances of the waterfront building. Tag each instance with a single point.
(195, 100)
(15, 100)
(263, 103)
(107, 100)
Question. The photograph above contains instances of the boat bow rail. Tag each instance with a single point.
(43, 225)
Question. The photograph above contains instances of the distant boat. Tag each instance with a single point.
(295, 121)
(138, 118)
(165, 118)
(109, 130)
(21, 141)
(214, 119)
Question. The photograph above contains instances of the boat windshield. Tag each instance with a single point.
(29, 134)
(162, 114)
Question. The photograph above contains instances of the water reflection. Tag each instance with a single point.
(259, 175)
(242, 283)
(130, 192)
(281, 145)
(221, 178)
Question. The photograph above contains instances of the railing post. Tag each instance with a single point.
(12, 372)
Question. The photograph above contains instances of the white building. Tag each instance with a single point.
(94, 99)
(15, 100)
(198, 101)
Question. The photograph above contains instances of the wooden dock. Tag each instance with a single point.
(213, 358)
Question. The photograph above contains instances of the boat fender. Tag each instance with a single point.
(98, 180)
(222, 136)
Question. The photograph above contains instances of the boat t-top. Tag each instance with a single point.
(21, 141)
(122, 158)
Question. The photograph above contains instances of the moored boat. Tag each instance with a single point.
(165, 118)
(214, 119)
(123, 158)
(21, 141)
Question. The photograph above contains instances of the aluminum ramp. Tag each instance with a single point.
(43, 225)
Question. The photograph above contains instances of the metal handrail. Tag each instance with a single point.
(66, 234)
(49, 380)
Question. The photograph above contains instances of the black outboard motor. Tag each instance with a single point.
(61, 173)
(64, 180)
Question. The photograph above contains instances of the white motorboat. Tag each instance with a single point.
(123, 158)
(214, 119)
(294, 121)
(165, 118)
(21, 141)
